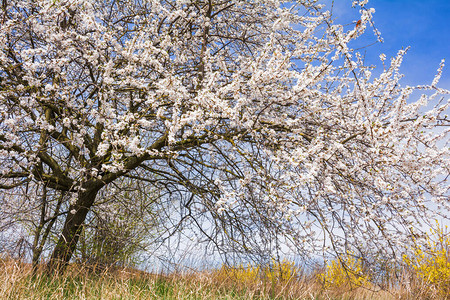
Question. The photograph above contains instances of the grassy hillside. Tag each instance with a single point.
(286, 282)
(423, 274)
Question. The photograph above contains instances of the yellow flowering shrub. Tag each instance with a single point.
(244, 274)
(277, 272)
(346, 272)
(281, 271)
(431, 261)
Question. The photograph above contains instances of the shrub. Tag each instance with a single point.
(344, 272)
(278, 271)
(430, 260)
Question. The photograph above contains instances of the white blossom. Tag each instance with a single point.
(259, 110)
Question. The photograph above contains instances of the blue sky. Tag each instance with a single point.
(424, 25)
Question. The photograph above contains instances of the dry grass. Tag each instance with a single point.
(78, 282)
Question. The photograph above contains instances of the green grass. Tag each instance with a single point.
(18, 282)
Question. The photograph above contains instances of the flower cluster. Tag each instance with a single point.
(258, 109)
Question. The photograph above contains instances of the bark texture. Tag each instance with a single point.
(72, 228)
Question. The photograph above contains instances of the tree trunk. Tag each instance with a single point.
(72, 228)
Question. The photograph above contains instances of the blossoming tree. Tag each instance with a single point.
(255, 115)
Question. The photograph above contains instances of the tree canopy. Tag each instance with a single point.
(255, 118)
